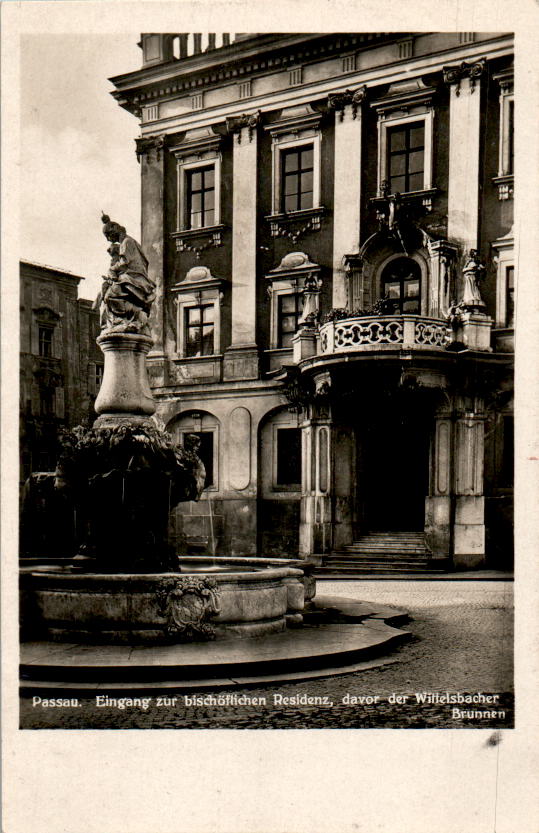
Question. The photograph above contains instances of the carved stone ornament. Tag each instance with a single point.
(147, 144)
(235, 124)
(187, 603)
(473, 71)
(338, 101)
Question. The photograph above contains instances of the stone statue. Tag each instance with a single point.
(473, 273)
(311, 301)
(128, 291)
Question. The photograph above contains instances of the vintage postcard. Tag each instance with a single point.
(274, 465)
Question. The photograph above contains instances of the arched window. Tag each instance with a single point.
(401, 286)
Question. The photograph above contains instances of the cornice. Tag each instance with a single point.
(389, 73)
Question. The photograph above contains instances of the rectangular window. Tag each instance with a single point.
(288, 456)
(45, 342)
(289, 313)
(199, 330)
(200, 197)
(510, 135)
(406, 158)
(98, 376)
(297, 172)
(510, 296)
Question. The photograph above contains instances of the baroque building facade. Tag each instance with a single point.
(61, 365)
(329, 222)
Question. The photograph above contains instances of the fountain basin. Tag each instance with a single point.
(244, 598)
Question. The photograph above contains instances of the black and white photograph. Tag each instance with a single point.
(268, 296)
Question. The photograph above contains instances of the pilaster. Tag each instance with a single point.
(241, 359)
(151, 154)
(469, 527)
(347, 199)
(465, 82)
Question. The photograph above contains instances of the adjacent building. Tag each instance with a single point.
(329, 222)
(61, 366)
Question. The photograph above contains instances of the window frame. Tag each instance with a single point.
(504, 258)
(386, 122)
(406, 154)
(198, 288)
(297, 174)
(424, 281)
(45, 328)
(383, 283)
(186, 169)
(280, 295)
(279, 148)
(189, 192)
(200, 305)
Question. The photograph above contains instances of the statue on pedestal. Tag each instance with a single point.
(311, 301)
(127, 292)
(473, 273)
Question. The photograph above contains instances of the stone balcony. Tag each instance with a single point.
(373, 333)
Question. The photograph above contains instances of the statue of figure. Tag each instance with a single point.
(473, 273)
(128, 291)
(311, 301)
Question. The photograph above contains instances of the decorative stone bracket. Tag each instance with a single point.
(147, 144)
(198, 240)
(473, 71)
(235, 124)
(338, 101)
(310, 220)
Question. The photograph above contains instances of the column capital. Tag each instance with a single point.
(352, 98)
(235, 124)
(472, 70)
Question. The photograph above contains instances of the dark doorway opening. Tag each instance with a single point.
(393, 470)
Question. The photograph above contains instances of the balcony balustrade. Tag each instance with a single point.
(384, 332)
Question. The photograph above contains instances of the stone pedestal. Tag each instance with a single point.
(474, 330)
(304, 343)
(125, 389)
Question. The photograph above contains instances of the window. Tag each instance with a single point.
(199, 330)
(296, 152)
(201, 197)
(406, 157)
(504, 180)
(511, 135)
(288, 456)
(297, 179)
(406, 142)
(510, 296)
(98, 376)
(401, 286)
(198, 165)
(289, 313)
(503, 258)
(45, 342)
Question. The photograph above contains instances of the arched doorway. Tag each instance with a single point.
(401, 286)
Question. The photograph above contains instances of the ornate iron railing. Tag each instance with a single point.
(374, 332)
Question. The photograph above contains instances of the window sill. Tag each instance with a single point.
(184, 237)
(425, 196)
(310, 218)
(505, 186)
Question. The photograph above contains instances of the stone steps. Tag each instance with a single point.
(382, 553)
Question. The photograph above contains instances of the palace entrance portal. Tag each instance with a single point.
(393, 469)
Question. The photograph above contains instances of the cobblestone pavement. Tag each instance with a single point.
(462, 643)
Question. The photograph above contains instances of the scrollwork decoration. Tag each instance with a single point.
(186, 603)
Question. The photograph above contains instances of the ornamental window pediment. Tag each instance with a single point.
(198, 216)
(296, 140)
(286, 285)
(198, 298)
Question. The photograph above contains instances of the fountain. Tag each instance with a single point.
(125, 588)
